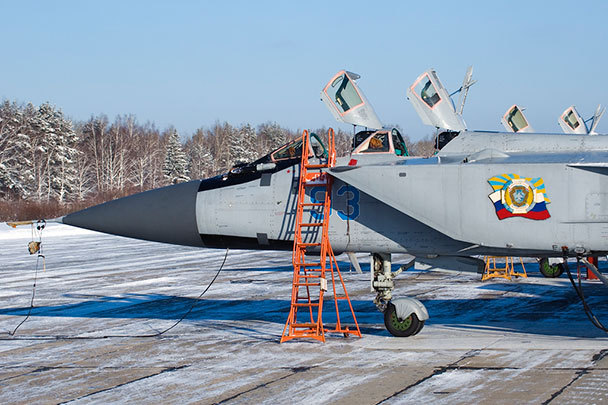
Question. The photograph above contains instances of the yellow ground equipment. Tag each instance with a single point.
(492, 271)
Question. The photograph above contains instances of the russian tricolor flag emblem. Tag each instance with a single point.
(516, 196)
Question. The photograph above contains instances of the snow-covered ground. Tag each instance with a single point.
(523, 341)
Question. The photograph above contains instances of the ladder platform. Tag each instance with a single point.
(317, 166)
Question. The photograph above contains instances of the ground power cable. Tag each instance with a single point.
(152, 335)
(579, 291)
(29, 312)
(33, 247)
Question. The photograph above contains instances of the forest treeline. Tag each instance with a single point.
(50, 165)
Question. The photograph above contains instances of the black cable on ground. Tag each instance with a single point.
(29, 312)
(579, 291)
(59, 337)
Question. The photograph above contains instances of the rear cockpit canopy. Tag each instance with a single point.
(383, 141)
(433, 103)
(571, 122)
(347, 103)
(514, 120)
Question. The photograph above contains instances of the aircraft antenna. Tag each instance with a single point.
(464, 89)
(597, 116)
(308, 276)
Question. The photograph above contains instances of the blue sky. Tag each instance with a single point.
(190, 63)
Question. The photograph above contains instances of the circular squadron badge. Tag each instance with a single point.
(519, 196)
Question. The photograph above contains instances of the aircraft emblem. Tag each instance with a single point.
(516, 196)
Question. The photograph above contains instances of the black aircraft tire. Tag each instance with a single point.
(401, 327)
(550, 270)
(420, 326)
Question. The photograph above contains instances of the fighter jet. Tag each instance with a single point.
(482, 193)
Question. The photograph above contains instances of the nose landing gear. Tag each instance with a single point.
(402, 316)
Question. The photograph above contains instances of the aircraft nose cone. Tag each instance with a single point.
(166, 215)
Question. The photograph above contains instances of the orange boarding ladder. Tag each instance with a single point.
(310, 277)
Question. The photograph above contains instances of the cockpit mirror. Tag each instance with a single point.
(572, 122)
(347, 103)
(514, 120)
(433, 104)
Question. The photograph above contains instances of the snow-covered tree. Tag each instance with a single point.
(242, 145)
(148, 153)
(271, 136)
(15, 166)
(54, 141)
(201, 162)
(175, 167)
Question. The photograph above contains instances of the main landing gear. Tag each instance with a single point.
(550, 268)
(402, 316)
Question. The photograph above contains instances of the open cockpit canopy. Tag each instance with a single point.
(347, 103)
(433, 104)
(572, 122)
(514, 120)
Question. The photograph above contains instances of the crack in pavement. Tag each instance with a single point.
(438, 371)
(166, 370)
(580, 373)
(295, 370)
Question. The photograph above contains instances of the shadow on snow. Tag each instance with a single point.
(544, 310)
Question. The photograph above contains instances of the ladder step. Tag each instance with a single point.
(312, 304)
(309, 244)
(317, 264)
(312, 224)
(314, 183)
(316, 166)
(307, 284)
(313, 204)
(309, 275)
(304, 325)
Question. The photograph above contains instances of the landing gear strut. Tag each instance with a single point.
(402, 316)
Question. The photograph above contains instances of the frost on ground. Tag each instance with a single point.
(530, 332)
